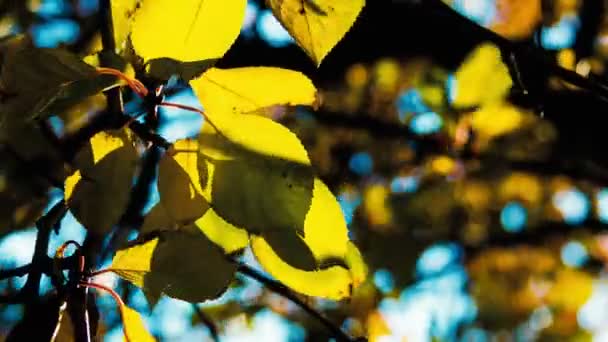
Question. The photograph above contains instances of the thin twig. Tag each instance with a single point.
(205, 319)
(281, 289)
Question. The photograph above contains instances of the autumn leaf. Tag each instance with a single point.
(182, 264)
(482, 78)
(178, 185)
(133, 325)
(198, 29)
(260, 179)
(326, 234)
(317, 25)
(250, 89)
(97, 193)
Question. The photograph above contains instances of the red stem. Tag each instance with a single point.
(118, 300)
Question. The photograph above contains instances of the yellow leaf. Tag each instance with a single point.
(227, 236)
(356, 264)
(122, 16)
(188, 30)
(482, 78)
(325, 233)
(246, 90)
(497, 119)
(332, 283)
(250, 134)
(179, 184)
(133, 325)
(182, 264)
(317, 25)
(325, 230)
(97, 193)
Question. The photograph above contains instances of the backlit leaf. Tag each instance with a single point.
(482, 78)
(122, 16)
(178, 184)
(317, 25)
(182, 264)
(98, 192)
(222, 233)
(332, 283)
(245, 90)
(188, 30)
(325, 233)
(133, 325)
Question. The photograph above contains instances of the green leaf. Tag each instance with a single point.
(317, 25)
(163, 68)
(182, 264)
(35, 81)
(133, 325)
(247, 90)
(97, 193)
(199, 29)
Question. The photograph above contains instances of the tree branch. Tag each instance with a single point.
(45, 225)
(281, 289)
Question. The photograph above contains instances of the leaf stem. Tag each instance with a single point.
(192, 109)
(281, 289)
(119, 302)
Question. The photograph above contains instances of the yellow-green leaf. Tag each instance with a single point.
(261, 175)
(246, 90)
(187, 30)
(133, 325)
(326, 234)
(332, 283)
(317, 25)
(222, 233)
(182, 264)
(97, 193)
(179, 183)
(482, 78)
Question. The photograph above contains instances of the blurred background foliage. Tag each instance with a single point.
(480, 204)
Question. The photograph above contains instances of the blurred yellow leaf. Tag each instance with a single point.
(570, 290)
(375, 204)
(133, 325)
(482, 78)
(246, 90)
(317, 25)
(497, 119)
(188, 30)
(97, 193)
(182, 264)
